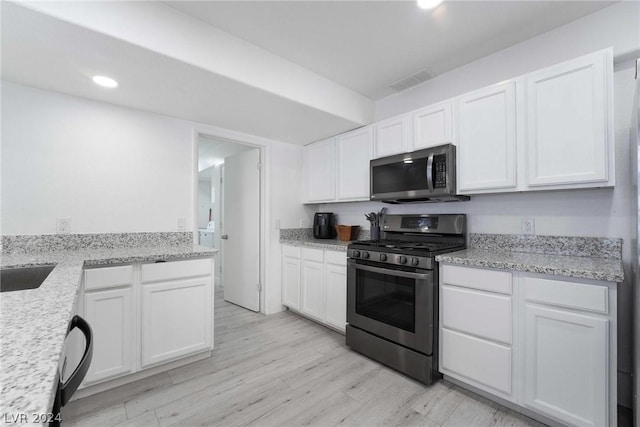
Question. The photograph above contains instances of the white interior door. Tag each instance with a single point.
(241, 233)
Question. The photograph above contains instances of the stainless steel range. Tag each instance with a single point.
(392, 291)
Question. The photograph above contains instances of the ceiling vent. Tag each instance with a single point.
(413, 80)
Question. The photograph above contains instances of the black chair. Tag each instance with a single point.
(65, 390)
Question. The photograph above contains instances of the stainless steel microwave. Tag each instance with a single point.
(427, 175)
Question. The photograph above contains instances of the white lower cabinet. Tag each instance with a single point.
(336, 289)
(314, 284)
(144, 315)
(476, 329)
(111, 316)
(565, 365)
(176, 319)
(291, 276)
(548, 346)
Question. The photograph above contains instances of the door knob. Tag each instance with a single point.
(224, 237)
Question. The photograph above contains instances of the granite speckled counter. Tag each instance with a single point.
(580, 257)
(304, 237)
(34, 322)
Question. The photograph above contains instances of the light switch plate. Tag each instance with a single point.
(182, 224)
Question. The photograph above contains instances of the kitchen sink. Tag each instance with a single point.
(21, 278)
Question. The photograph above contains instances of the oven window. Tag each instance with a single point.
(386, 298)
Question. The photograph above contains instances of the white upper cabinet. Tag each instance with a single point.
(569, 125)
(319, 165)
(354, 153)
(551, 129)
(486, 136)
(432, 126)
(392, 136)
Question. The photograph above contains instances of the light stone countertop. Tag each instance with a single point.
(330, 244)
(34, 322)
(605, 269)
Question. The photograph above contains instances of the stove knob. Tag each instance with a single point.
(402, 259)
(383, 257)
(415, 261)
(356, 254)
(365, 255)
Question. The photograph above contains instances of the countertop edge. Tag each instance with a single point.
(336, 245)
(582, 273)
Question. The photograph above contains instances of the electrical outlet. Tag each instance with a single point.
(276, 224)
(182, 224)
(63, 225)
(303, 223)
(528, 226)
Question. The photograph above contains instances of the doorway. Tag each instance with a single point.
(228, 215)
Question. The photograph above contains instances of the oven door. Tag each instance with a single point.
(392, 303)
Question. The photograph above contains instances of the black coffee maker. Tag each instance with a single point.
(324, 225)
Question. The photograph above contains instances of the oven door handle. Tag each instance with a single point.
(399, 273)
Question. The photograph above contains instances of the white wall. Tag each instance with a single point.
(116, 169)
(109, 169)
(286, 211)
(595, 213)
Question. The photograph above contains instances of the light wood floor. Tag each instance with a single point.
(283, 370)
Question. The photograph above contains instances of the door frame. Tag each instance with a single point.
(265, 151)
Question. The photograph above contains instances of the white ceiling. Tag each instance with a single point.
(363, 46)
(368, 45)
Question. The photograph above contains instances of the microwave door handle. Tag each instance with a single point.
(430, 172)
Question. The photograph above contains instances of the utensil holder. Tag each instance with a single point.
(375, 233)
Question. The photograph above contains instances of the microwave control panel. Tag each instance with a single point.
(440, 171)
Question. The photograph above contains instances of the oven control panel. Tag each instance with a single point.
(392, 258)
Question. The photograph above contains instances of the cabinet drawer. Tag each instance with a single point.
(313, 254)
(483, 362)
(581, 296)
(477, 278)
(292, 251)
(176, 270)
(477, 313)
(108, 277)
(334, 257)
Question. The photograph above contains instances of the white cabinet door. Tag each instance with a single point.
(111, 316)
(336, 295)
(312, 285)
(486, 123)
(392, 136)
(319, 165)
(485, 364)
(354, 153)
(432, 126)
(176, 319)
(566, 365)
(568, 121)
(291, 277)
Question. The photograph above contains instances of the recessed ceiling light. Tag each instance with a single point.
(428, 4)
(105, 81)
